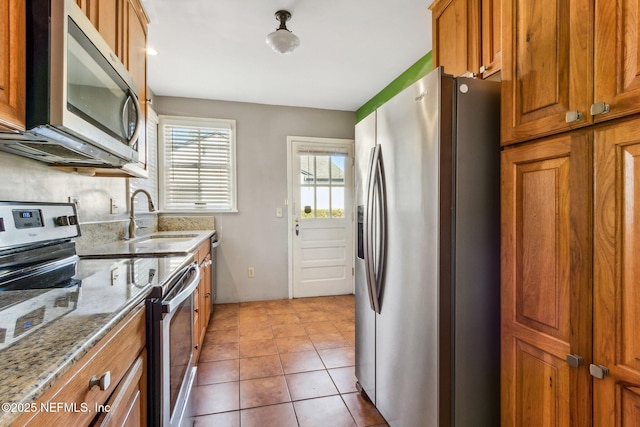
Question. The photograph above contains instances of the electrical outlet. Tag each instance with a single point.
(114, 276)
(279, 212)
(114, 207)
(251, 272)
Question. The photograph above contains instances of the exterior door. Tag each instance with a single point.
(616, 271)
(322, 217)
(546, 282)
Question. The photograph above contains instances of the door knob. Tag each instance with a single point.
(574, 360)
(598, 371)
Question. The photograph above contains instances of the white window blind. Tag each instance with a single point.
(198, 170)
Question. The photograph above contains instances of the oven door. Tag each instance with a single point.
(176, 347)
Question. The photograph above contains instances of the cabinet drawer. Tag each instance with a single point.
(111, 358)
(127, 405)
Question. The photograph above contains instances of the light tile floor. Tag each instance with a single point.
(281, 363)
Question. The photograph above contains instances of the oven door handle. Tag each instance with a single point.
(187, 289)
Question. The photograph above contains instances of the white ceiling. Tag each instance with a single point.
(349, 49)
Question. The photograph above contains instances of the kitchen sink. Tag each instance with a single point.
(156, 239)
(158, 243)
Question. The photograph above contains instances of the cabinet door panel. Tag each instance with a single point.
(542, 382)
(616, 269)
(12, 64)
(456, 41)
(617, 59)
(491, 37)
(547, 62)
(546, 281)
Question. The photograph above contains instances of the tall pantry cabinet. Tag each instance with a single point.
(570, 224)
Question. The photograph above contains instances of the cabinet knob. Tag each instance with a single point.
(573, 116)
(102, 381)
(600, 108)
(574, 360)
(598, 371)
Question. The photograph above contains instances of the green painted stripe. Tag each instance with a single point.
(418, 70)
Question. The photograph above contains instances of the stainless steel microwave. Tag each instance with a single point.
(82, 103)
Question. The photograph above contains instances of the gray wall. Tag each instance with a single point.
(255, 237)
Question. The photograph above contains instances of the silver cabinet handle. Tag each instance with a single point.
(574, 360)
(573, 116)
(102, 381)
(598, 371)
(600, 108)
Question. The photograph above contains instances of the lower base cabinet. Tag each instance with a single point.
(203, 294)
(110, 381)
(570, 294)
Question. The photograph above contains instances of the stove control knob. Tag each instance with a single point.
(73, 220)
(62, 221)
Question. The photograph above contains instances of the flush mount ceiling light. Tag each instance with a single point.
(282, 40)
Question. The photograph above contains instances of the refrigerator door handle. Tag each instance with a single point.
(375, 232)
(367, 242)
(381, 243)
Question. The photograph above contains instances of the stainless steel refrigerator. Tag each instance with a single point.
(427, 270)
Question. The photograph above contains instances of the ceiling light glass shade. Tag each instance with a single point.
(283, 41)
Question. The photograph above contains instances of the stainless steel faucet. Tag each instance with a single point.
(132, 216)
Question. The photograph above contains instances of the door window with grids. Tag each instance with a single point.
(322, 180)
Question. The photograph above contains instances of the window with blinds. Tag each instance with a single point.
(198, 164)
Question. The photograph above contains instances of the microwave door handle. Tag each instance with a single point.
(132, 98)
(170, 305)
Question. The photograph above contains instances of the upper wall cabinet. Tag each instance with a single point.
(551, 81)
(466, 36)
(456, 45)
(104, 16)
(134, 57)
(491, 11)
(12, 65)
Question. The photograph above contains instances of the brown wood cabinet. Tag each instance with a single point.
(202, 296)
(491, 14)
(12, 65)
(616, 292)
(570, 242)
(117, 363)
(546, 281)
(456, 41)
(134, 57)
(466, 36)
(104, 15)
(559, 73)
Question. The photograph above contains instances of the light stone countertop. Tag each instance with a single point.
(33, 363)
